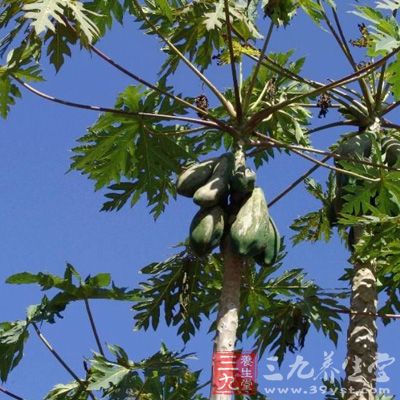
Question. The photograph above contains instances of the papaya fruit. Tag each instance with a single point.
(249, 231)
(391, 149)
(194, 177)
(243, 181)
(206, 230)
(360, 145)
(271, 251)
(217, 187)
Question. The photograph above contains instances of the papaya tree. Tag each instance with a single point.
(156, 143)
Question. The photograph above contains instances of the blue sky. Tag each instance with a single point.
(49, 217)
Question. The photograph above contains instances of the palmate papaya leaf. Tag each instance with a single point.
(312, 227)
(105, 374)
(141, 151)
(384, 33)
(162, 375)
(278, 311)
(280, 11)
(87, 21)
(105, 12)
(316, 225)
(392, 302)
(393, 77)
(13, 336)
(9, 92)
(379, 243)
(287, 124)
(313, 10)
(391, 5)
(197, 29)
(71, 288)
(22, 65)
(69, 391)
(43, 13)
(59, 44)
(185, 287)
(382, 196)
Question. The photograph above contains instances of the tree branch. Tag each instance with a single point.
(379, 98)
(137, 78)
(175, 133)
(150, 85)
(10, 394)
(390, 125)
(233, 66)
(331, 125)
(257, 68)
(259, 116)
(325, 153)
(390, 108)
(60, 359)
(294, 149)
(93, 326)
(113, 110)
(296, 182)
(279, 69)
(349, 91)
(341, 40)
(226, 103)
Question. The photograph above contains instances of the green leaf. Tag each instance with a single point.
(69, 391)
(216, 18)
(162, 375)
(286, 124)
(391, 5)
(59, 43)
(280, 11)
(71, 288)
(313, 9)
(278, 312)
(44, 13)
(197, 29)
(105, 374)
(184, 287)
(9, 92)
(316, 225)
(138, 150)
(12, 339)
(393, 77)
(384, 32)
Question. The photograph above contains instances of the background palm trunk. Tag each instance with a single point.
(362, 346)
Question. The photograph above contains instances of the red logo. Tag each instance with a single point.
(234, 372)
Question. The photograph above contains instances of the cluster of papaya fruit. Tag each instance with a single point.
(230, 204)
(360, 145)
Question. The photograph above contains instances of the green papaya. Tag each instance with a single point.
(243, 181)
(206, 230)
(217, 187)
(194, 177)
(391, 149)
(360, 145)
(249, 230)
(271, 251)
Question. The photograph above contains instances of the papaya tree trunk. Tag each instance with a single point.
(229, 305)
(360, 381)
